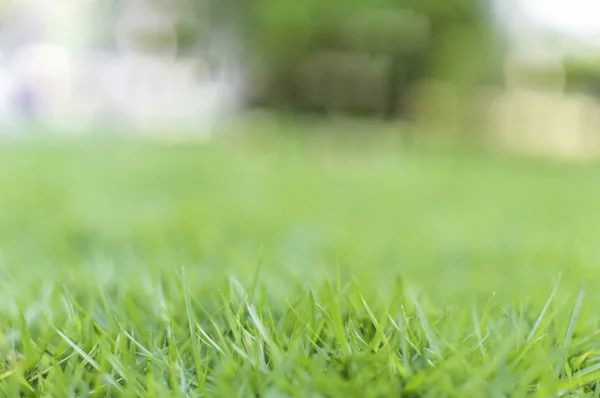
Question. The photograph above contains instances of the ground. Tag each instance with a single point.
(147, 269)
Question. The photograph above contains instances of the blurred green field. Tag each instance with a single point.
(298, 272)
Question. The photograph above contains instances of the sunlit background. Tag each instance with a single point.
(518, 74)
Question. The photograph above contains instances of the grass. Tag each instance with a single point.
(205, 270)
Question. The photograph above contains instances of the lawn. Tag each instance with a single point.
(145, 269)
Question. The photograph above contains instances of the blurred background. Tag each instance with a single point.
(382, 135)
(520, 75)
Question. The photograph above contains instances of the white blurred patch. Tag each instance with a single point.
(7, 88)
(75, 88)
(47, 70)
(576, 17)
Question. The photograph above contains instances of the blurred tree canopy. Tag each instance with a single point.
(345, 54)
(450, 40)
(583, 75)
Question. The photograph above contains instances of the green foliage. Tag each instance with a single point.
(583, 75)
(450, 40)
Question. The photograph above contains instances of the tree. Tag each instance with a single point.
(452, 40)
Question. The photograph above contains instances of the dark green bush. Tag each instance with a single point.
(583, 76)
(452, 40)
